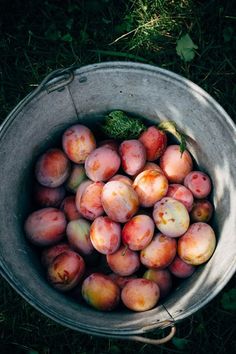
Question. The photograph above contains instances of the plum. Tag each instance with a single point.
(202, 211)
(101, 292)
(68, 206)
(49, 254)
(151, 186)
(45, 227)
(123, 262)
(105, 235)
(154, 141)
(137, 233)
(110, 143)
(181, 269)
(48, 197)
(122, 178)
(159, 253)
(182, 194)
(133, 156)
(78, 234)
(198, 183)
(197, 245)
(120, 280)
(88, 199)
(140, 294)
(102, 164)
(162, 277)
(52, 168)
(151, 166)
(78, 142)
(66, 270)
(119, 201)
(175, 165)
(76, 177)
(171, 217)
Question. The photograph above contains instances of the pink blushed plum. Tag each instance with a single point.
(159, 253)
(175, 165)
(66, 270)
(102, 164)
(151, 186)
(202, 211)
(171, 217)
(120, 280)
(105, 235)
(152, 166)
(137, 233)
(119, 201)
(140, 294)
(76, 177)
(88, 199)
(78, 234)
(49, 254)
(48, 197)
(123, 262)
(109, 143)
(133, 156)
(182, 194)
(122, 178)
(52, 168)
(100, 292)
(68, 206)
(78, 142)
(198, 183)
(45, 227)
(197, 245)
(154, 141)
(162, 277)
(181, 269)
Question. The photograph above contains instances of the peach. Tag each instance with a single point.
(133, 156)
(159, 253)
(49, 254)
(76, 177)
(171, 217)
(138, 232)
(122, 178)
(66, 270)
(102, 164)
(140, 294)
(68, 206)
(121, 281)
(78, 142)
(88, 199)
(197, 245)
(175, 165)
(105, 235)
(181, 269)
(182, 194)
(123, 262)
(199, 184)
(119, 201)
(78, 234)
(162, 277)
(45, 227)
(151, 186)
(154, 141)
(202, 211)
(100, 292)
(52, 168)
(48, 197)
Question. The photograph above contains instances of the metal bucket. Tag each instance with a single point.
(85, 95)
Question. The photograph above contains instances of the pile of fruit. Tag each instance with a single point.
(113, 225)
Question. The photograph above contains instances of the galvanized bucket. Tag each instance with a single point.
(85, 95)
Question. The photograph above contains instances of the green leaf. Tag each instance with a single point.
(185, 48)
(52, 33)
(180, 343)
(171, 127)
(228, 300)
(67, 38)
(228, 34)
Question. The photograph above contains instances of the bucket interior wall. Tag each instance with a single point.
(143, 91)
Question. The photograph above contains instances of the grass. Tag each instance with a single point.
(40, 36)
